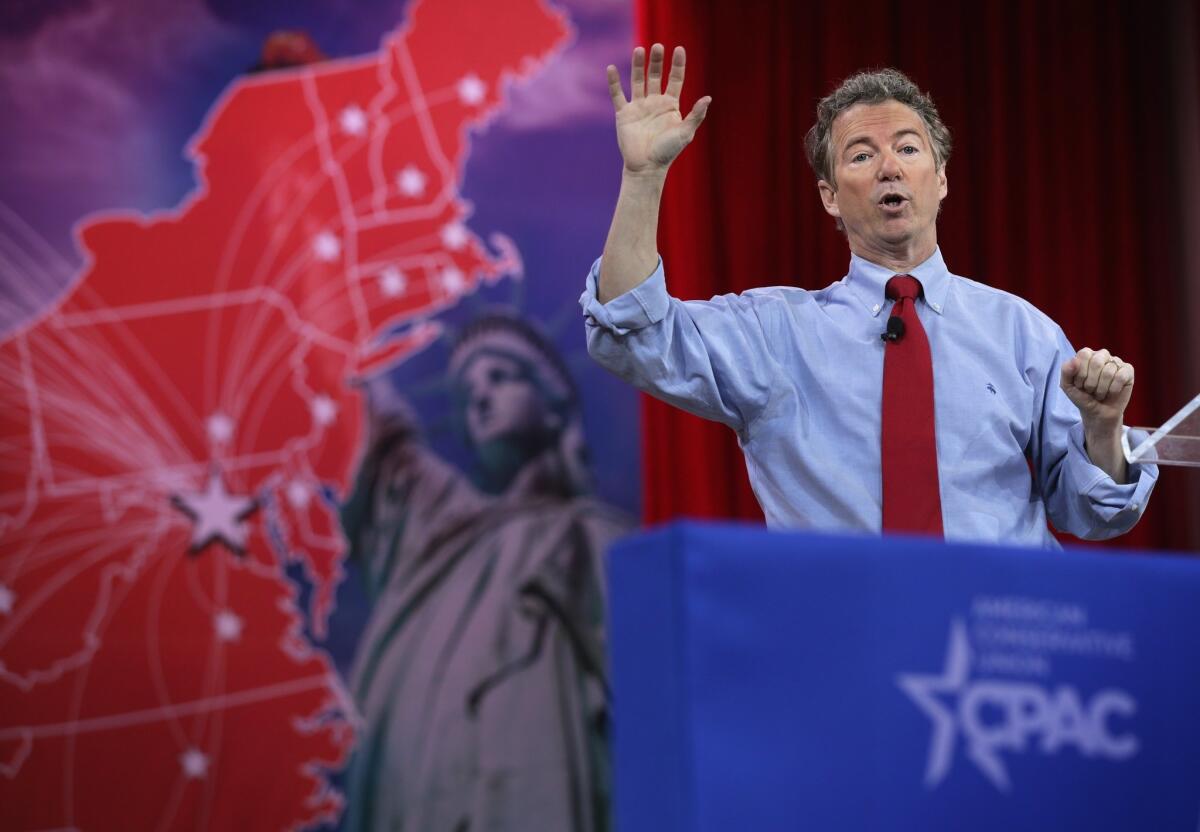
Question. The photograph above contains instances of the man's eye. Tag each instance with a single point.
(909, 149)
(859, 157)
(496, 375)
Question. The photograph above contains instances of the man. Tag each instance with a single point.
(480, 677)
(971, 417)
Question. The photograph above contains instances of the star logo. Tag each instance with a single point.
(926, 691)
(994, 715)
(216, 515)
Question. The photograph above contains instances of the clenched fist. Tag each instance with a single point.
(1100, 384)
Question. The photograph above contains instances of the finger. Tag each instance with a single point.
(1122, 381)
(1107, 373)
(1095, 365)
(1113, 366)
(654, 82)
(614, 88)
(675, 80)
(1082, 360)
(637, 75)
(699, 111)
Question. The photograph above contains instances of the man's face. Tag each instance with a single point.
(888, 184)
(500, 400)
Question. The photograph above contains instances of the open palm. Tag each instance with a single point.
(651, 132)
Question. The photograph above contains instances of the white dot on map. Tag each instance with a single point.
(326, 246)
(454, 236)
(194, 763)
(471, 90)
(220, 428)
(392, 282)
(453, 280)
(411, 181)
(324, 410)
(298, 494)
(353, 121)
(6, 599)
(227, 625)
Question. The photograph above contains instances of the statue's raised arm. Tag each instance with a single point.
(393, 494)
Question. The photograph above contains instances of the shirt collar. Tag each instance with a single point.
(867, 281)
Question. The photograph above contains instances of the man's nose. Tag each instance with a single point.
(889, 166)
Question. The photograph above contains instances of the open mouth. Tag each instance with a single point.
(893, 203)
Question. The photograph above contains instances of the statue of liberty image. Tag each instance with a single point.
(481, 675)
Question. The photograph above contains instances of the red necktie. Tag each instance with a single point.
(911, 500)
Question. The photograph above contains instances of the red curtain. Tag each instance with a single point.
(1063, 188)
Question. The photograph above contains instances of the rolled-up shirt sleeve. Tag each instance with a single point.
(706, 357)
(1080, 498)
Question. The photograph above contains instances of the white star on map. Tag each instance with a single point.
(220, 427)
(353, 120)
(326, 246)
(324, 410)
(454, 236)
(227, 625)
(216, 515)
(471, 90)
(6, 599)
(923, 689)
(392, 282)
(194, 763)
(411, 181)
(453, 280)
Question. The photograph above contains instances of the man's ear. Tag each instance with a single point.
(943, 185)
(829, 198)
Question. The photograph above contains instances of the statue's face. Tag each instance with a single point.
(500, 400)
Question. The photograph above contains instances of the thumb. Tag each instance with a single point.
(699, 110)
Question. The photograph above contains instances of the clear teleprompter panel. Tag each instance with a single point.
(1177, 442)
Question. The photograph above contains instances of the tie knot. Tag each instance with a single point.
(903, 286)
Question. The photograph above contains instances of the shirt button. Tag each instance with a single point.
(875, 308)
(1134, 506)
(937, 308)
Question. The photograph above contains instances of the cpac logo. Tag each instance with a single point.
(996, 716)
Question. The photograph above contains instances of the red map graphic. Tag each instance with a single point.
(170, 430)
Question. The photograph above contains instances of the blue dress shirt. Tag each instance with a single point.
(798, 376)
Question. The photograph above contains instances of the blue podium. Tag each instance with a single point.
(766, 681)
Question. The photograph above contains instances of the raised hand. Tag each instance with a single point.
(651, 132)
